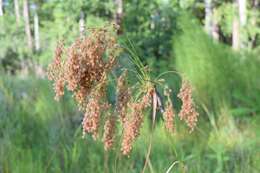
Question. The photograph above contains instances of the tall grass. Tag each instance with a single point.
(219, 74)
(38, 134)
(227, 89)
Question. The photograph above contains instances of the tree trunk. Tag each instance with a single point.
(215, 26)
(119, 15)
(208, 16)
(27, 24)
(242, 22)
(242, 12)
(36, 32)
(1, 8)
(82, 24)
(235, 34)
(215, 31)
(255, 8)
(17, 11)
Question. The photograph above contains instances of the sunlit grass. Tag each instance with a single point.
(41, 135)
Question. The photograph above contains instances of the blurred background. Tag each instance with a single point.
(214, 43)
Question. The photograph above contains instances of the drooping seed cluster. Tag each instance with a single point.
(88, 60)
(133, 123)
(84, 67)
(55, 71)
(123, 96)
(109, 132)
(95, 107)
(168, 114)
(188, 112)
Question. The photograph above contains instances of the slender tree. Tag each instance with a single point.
(235, 34)
(239, 23)
(17, 11)
(242, 12)
(27, 24)
(215, 30)
(82, 23)
(215, 25)
(36, 32)
(211, 24)
(119, 14)
(242, 22)
(1, 8)
(255, 8)
(208, 16)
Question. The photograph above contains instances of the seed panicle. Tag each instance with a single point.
(168, 114)
(84, 68)
(109, 132)
(188, 112)
(134, 123)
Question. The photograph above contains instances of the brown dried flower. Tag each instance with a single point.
(95, 106)
(55, 68)
(188, 112)
(55, 71)
(83, 68)
(168, 114)
(133, 124)
(84, 71)
(123, 96)
(91, 119)
(109, 132)
(59, 88)
(85, 64)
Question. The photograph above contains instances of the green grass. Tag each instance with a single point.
(38, 134)
(219, 75)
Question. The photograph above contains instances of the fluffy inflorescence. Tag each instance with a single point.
(134, 121)
(84, 67)
(188, 112)
(109, 132)
(56, 71)
(123, 96)
(168, 114)
(91, 118)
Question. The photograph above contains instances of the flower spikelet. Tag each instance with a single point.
(133, 124)
(109, 132)
(168, 114)
(91, 118)
(188, 112)
(55, 71)
(85, 63)
(123, 96)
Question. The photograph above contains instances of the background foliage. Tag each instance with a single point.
(38, 134)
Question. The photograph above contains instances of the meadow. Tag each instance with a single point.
(41, 135)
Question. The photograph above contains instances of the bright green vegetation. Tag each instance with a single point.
(41, 135)
(219, 75)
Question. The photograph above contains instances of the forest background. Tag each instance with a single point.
(214, 43)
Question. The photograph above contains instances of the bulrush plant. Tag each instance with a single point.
(85, 68)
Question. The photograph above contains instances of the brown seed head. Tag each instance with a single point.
(188, 112)
(169, 114)
(109, 132)
(91, 119)
(133, 124)
(87, 60)
(123, 96)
